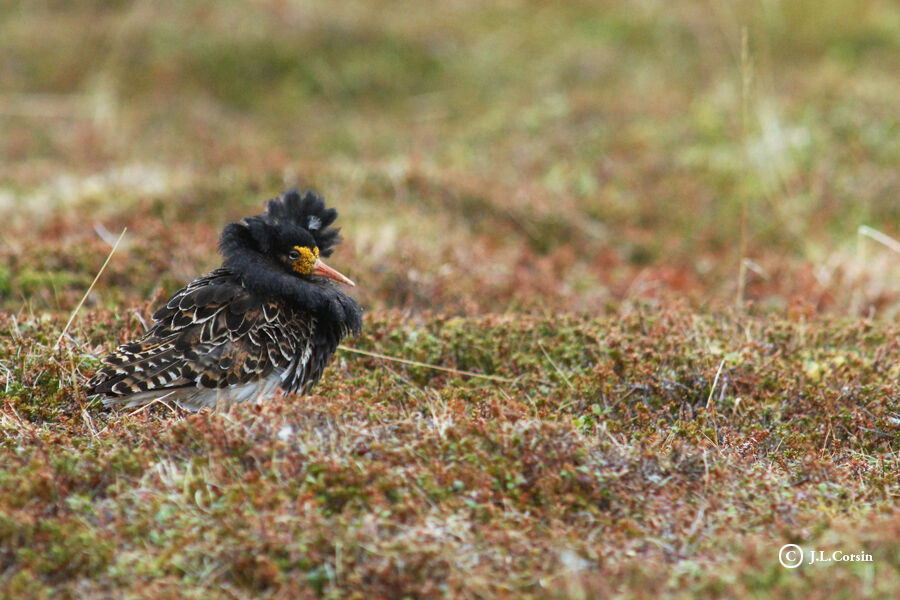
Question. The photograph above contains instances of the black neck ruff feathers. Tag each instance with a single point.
(252, 248)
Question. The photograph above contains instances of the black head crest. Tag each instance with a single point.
(278, 226)
(306, 210)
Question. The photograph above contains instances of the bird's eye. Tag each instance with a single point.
(294, 255)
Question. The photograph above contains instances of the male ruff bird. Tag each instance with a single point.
(269, 318)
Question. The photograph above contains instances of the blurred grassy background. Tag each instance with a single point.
(484, 156)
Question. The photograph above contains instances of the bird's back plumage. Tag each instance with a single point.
(246, 329)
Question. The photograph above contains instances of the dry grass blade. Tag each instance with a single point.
(416, 363)
(556, 367)
(882, 238)
(712, 390)
(90, 287)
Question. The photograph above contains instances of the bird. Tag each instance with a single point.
(269, 319)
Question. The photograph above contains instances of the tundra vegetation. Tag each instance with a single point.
(667, 231)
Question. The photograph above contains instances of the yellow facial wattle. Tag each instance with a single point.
(308, 257)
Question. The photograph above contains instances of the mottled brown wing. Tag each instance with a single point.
(210, 334)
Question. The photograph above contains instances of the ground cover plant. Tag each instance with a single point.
(665, 232)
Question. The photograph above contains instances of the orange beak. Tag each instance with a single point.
(323, 270)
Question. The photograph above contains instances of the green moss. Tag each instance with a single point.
(28, 281)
